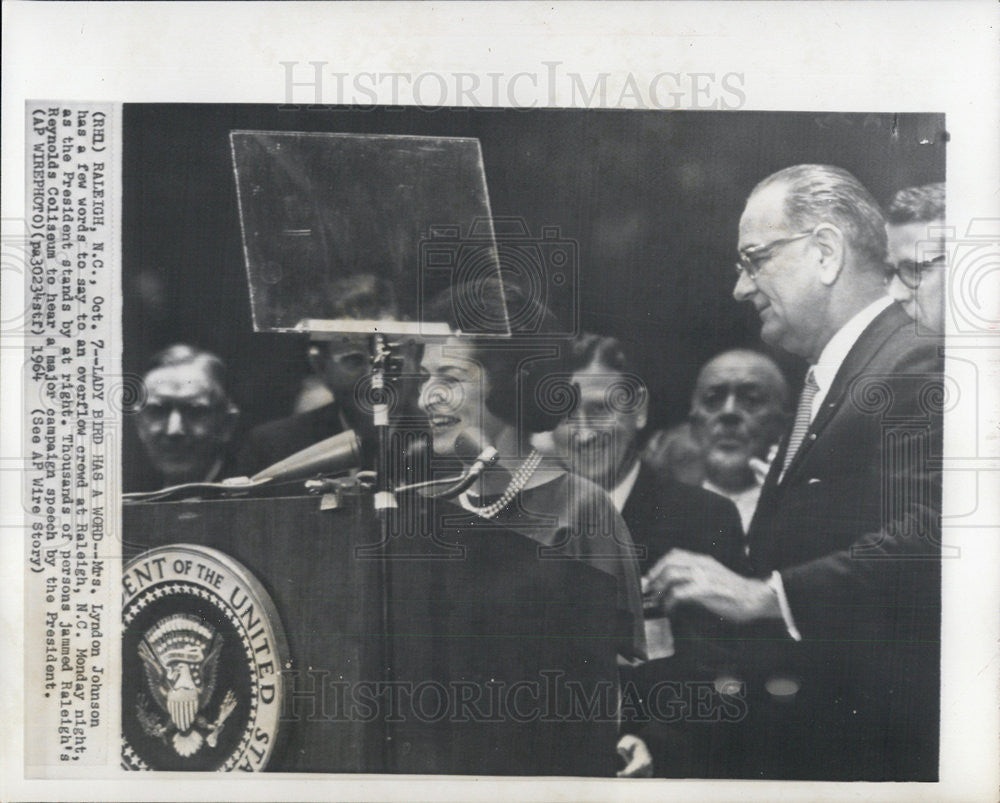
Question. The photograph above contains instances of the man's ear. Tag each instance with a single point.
(833, 250)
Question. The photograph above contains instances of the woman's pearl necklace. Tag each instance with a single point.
(517, 482)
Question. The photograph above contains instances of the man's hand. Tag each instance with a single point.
(690, 578)
(638, 761)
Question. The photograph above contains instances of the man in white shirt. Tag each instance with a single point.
(738, 413)
(842, 614)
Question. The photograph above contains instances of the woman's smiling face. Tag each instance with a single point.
(453, 395)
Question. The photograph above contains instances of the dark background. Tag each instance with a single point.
(652, 199)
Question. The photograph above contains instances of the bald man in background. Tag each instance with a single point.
(739, 411)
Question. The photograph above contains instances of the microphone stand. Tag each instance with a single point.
(384, 497)
(456, 485)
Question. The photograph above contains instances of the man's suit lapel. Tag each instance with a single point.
(872, 339)
(771, 480)
(642, 498)
(640, 509)
(861, 354)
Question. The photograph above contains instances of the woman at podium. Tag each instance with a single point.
(481, 391)
(525, 597)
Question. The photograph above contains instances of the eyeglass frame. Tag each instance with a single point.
(159, 412)
(750, 263)
(914, 269)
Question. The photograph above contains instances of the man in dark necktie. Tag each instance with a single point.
(841, 616)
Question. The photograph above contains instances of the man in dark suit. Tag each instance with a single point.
(841, 615)
(342, 363)
(185, 422)
(739, 411)
(602, 440)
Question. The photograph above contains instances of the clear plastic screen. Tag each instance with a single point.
(360, 232)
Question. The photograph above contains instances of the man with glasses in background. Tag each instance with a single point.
(917, 254)
(342, 363)
(840, 620)
(186, 420)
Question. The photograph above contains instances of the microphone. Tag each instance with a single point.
(483, 460)
(466, 445)
(340, 453)
(331, 456)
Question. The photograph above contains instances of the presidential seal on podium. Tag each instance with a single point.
(202, 655)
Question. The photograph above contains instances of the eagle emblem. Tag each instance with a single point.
(180, 654)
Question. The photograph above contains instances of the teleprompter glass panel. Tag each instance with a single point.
(358, 233)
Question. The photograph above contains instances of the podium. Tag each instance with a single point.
(408, 654)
